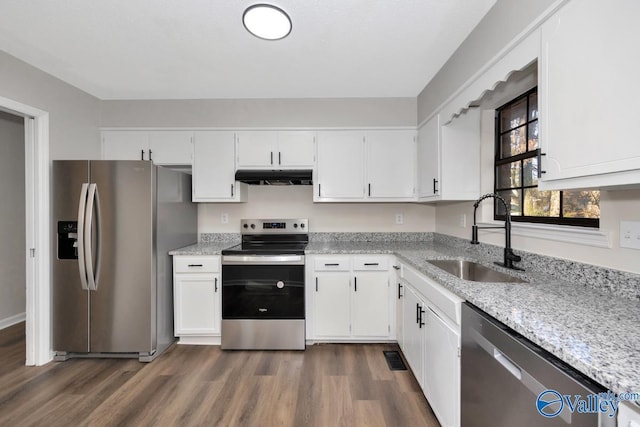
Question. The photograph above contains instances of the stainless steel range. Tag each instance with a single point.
(263, 286)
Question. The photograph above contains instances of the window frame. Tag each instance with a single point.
(498, 161)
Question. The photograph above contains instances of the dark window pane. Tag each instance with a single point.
(513, 199)
(581, 204)
(533, 106)
(530, 171)
(533, 135)
(541, 203)
(514, 142)
(508, 176)
(513, 115)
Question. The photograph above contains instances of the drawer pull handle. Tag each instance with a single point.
(395, 267)
(195, 265)
(371, 264)
(333, 264)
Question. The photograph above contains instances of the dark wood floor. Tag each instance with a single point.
(326, 385)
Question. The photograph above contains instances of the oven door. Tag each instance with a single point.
(263, 287)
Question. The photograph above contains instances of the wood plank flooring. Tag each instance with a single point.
(326, 385)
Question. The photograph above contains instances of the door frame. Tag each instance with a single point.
(37, 230)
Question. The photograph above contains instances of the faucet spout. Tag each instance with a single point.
(509, 256)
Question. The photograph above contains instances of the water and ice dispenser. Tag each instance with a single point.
(67, 239)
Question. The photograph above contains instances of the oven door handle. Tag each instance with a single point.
(263, 260)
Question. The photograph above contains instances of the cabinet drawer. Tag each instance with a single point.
(196, 264)
(335, 263)
(368, 262)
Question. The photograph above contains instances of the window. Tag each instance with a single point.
(517, 173)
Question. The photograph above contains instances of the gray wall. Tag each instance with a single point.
(314, 112)
(73, 114)
(12, 217)
(504, 21)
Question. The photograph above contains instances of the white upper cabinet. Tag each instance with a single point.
(162, 147)
(171, 147)
(449, 158)
(270, 149)
(213, 168)
(125, 145)
(296, 149)
(376, 165)
(589, 95)
(390, 164)
(429, 157)
(340, 170)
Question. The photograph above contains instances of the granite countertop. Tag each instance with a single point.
(204, 248)
(595, 332)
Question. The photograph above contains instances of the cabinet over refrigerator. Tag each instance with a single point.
(114, 223)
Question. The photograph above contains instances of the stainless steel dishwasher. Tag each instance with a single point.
(506, 380)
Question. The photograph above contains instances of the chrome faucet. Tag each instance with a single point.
(509, 256)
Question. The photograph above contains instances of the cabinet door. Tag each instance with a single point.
(197, 304)
(257, 149)
(460, 157)
(370, 305)
(340, 165)
(171, 147)
(442, 369)
(400, 284)
(390, 163)
(296, 149)
(429, 158)
(588, 98)
(125, 145)
(213, 167)
(331, 305)
(413, 333)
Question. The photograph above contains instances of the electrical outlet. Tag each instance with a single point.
(463, 220)
(399, 219)
(630, 234)
(225, 218)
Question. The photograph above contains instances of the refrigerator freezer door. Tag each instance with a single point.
(122, 316)
(70, 302)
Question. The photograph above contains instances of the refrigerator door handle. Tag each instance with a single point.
(81, 241)
(88, 243)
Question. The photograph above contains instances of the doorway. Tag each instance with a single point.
(12, 221)
(36, 242)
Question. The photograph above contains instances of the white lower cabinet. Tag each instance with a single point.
(431, 342)
(414, 333)
(349, 298)
(196, 294)
(442, 368)
(331, 304)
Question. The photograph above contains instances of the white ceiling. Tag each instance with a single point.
(192, 49)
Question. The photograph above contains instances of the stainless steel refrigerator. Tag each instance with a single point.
(113, 224)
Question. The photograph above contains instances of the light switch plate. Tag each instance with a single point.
(630, 234)
(399, 219)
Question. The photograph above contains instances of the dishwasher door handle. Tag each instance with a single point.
(507, 364)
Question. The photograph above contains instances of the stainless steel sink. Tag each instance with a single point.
(469, 270)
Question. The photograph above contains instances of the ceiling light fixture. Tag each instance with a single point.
(267, 21)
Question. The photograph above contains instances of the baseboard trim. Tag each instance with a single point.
(10, 321)
(199, 340)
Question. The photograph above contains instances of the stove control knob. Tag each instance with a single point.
(295, 225)
(301, 225)
(280, 284)
(253, 226)
(246, 226)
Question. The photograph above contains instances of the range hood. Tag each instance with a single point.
(271, 177)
